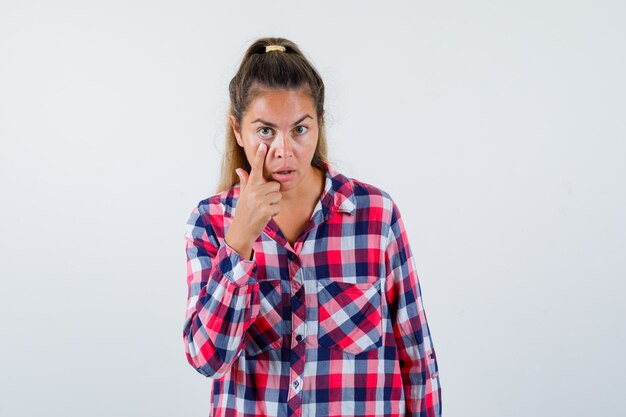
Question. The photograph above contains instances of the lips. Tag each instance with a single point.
(283, 170)
(283, 178)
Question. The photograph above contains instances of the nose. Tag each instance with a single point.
(283, 146)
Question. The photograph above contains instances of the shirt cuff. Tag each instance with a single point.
(238, 270)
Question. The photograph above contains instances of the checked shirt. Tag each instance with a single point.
(331, 326)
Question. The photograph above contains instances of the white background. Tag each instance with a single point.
(498, 127)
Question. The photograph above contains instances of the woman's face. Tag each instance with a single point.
(286, 121)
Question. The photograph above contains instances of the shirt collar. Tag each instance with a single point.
(338, 194)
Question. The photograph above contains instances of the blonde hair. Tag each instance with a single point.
(258, 71)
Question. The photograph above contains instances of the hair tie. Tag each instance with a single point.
(269, 48)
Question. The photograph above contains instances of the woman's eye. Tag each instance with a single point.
(265, 132)
(300, 130)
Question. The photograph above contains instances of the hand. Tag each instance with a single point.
(258, 202)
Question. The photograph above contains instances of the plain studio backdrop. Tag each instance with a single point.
(498, 128)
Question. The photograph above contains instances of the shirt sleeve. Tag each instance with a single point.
(418, 363)
(222, 300)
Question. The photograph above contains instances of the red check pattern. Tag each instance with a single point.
(349, 316)
(331, 326)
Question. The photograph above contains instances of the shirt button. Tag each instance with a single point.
(291, 255)
(299, 338)
(295, 384)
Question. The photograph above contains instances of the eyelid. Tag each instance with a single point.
(273, 132)
(265, 127)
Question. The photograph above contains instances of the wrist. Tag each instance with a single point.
(241, 244)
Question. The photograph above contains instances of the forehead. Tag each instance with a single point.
(280, 106)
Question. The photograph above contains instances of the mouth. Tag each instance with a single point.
(284, 175)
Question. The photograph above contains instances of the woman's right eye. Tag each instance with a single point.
(265, 132)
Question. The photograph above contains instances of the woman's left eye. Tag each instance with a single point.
(300, 130)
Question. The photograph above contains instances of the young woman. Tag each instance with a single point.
(303, 296)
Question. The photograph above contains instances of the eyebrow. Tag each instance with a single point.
(273, 125)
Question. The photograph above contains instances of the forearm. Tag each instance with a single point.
(223, 301)
(240, 241)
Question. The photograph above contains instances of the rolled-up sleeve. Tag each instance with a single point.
(222, 300)
(418, 363)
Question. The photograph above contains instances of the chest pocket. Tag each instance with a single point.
(266, 332)
(349, 315)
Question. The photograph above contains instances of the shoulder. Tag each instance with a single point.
(370, 197)
(223, 202)
(215, 207)
(365, 189)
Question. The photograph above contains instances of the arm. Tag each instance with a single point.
(418, 364)
(222, 301)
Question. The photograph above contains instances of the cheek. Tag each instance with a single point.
(303, 149)
(249, 151)
(251, 139)
(251, 143)
(312, 143)
(307, 142)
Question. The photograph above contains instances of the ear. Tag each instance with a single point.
(234, 124)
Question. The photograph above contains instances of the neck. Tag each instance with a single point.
(310, 189)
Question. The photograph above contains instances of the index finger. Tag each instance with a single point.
(256, 173)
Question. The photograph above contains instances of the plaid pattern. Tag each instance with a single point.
(333, 326)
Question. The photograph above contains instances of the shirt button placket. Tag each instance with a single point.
(298, 348)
